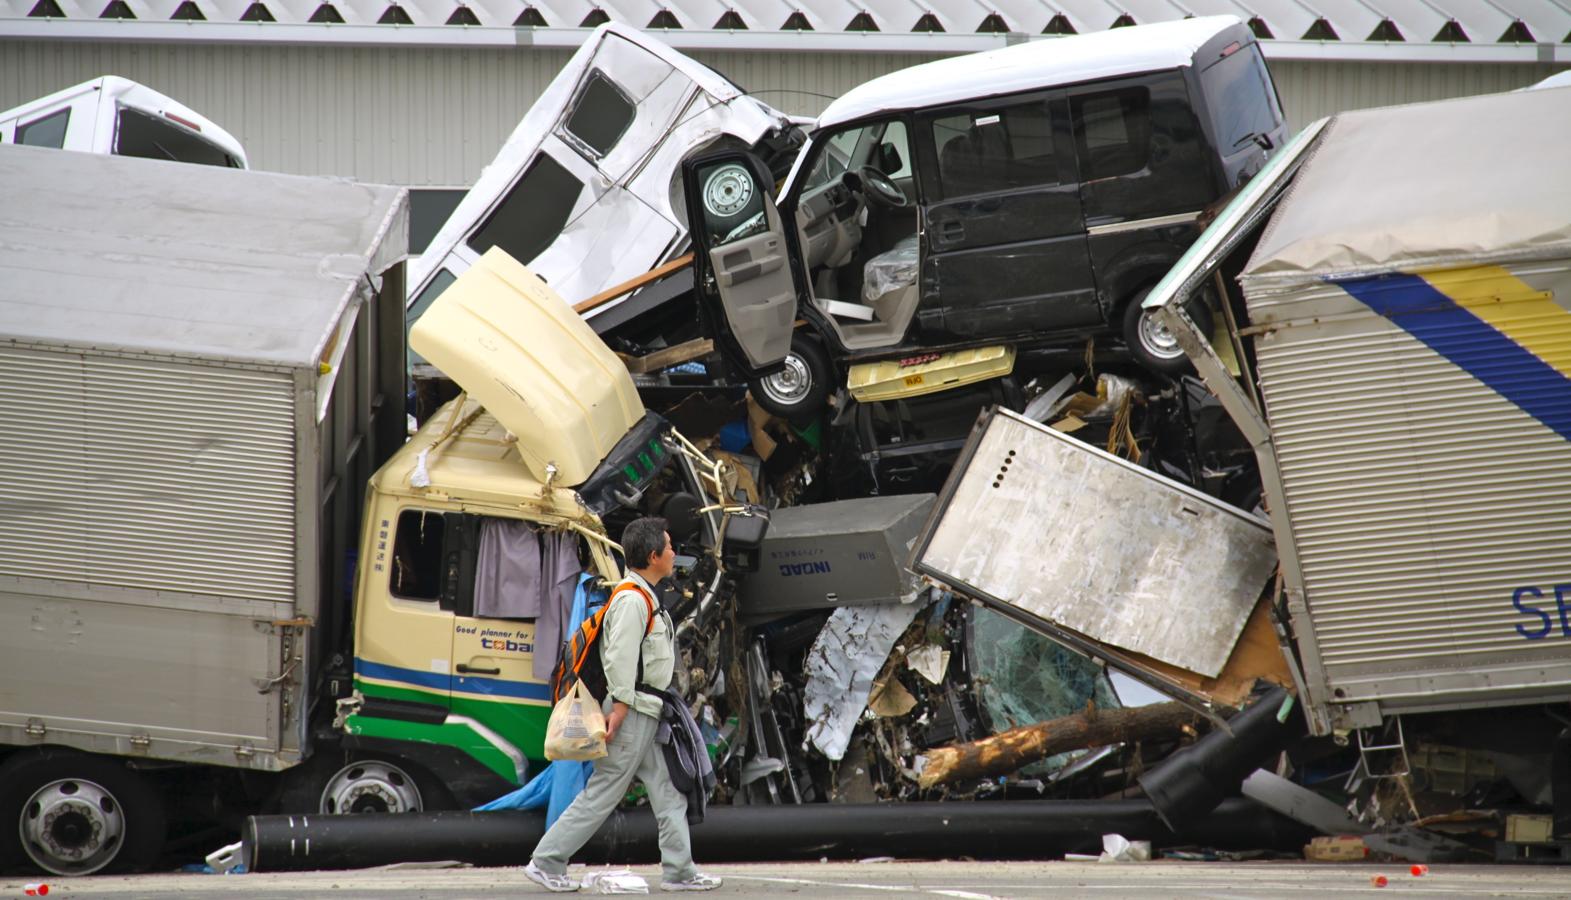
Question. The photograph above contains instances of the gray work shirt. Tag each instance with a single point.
(624, 625)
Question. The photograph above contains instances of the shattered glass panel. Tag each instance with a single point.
(1022, 678)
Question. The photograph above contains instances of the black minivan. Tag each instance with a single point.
(1027, 197)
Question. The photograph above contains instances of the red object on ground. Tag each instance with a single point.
(36, 889)
(1378, 880)
(1419, 869)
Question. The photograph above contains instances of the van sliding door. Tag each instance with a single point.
(1005, 237)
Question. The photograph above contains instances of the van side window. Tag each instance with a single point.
(532, 214)
(1240, 97)
(995, 150)
(1112, 131)
(601, 115)
(417, 556)
(46, 132)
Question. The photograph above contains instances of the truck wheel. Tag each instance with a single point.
(798, 391)
(1152, 345)
(370, 786)
(70, 813)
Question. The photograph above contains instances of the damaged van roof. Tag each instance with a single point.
(512, 343)
(1039, 63)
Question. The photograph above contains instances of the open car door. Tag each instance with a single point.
(743, 267)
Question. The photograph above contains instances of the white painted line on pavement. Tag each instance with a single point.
(940, 892)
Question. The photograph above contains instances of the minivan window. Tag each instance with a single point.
(1112, 132)
(601, 115)
(999, 149)
(147, 136)
(46, 132)
(859, 146)
(1240, 97)
(532, 214)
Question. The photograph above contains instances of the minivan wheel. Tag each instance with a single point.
(796, 392)
(1150, 341)
(70, 813)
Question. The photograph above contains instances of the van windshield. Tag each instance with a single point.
(1241, 99)
(142, 134)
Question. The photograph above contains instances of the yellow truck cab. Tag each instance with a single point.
(481, 528)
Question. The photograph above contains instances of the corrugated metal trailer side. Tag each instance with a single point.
(203, 367)
(152, 533)
(1430, 511)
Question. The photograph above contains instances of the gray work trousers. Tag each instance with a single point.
(632, 752)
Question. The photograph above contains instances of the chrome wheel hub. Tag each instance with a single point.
(72, 827)
(1156, 337)
(370, 787)
(789, 385)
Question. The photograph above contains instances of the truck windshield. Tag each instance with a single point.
(1242, 101)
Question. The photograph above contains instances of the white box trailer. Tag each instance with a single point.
(201, 368)
(1406, 384)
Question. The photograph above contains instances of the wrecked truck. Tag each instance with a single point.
(227, 583)
(1394, 351)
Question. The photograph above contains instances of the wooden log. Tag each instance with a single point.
(1008, 751)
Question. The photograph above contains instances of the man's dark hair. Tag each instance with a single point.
(641, 539)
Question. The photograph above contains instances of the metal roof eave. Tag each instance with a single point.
(293, 34)
(288, 34)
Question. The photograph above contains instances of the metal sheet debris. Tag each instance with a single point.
(1030, 523)
(841, 666)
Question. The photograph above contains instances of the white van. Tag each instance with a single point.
(587, 189)
(113, 115)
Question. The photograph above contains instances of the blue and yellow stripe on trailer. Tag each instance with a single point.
(1513, 338)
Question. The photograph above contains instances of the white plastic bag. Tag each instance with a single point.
(576, 730)
(614, 881)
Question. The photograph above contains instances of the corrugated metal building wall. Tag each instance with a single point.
(436, 116)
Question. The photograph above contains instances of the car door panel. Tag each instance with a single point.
(1005, 246)
(741, 255)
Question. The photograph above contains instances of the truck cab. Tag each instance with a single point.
(1023, 197)
(483, 528)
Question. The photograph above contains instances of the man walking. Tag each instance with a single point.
(632, 719)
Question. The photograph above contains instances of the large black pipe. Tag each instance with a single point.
(1186, 786)
(1015, 829)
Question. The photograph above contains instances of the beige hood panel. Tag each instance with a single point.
(511, 341)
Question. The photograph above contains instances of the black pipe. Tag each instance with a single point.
(1015, 829)
(1190, 783)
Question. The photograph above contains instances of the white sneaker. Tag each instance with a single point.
(557, 883)
(699, 882)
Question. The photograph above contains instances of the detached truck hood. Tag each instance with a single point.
(512, 343)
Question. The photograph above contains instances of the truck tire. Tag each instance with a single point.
(329, 784)
(1149, 341)
(797, 392)
(70, 813)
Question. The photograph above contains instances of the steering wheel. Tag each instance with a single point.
(881, 189)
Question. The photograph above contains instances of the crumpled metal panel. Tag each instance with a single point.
(1067, 533)
(841, 666)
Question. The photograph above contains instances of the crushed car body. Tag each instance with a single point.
(585, 191)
